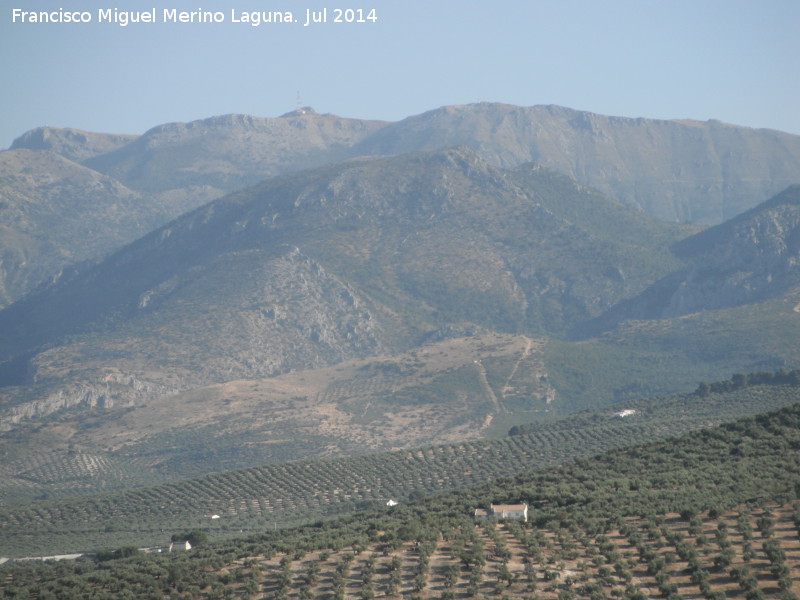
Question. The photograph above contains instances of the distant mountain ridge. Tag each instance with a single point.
(678, 170)
(72, 144)
(230, 152)
(681, 171)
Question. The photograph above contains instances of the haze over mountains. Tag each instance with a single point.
(684, 171)
(236, 267)
(681, 171)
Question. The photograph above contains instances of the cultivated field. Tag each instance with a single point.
(751, 552)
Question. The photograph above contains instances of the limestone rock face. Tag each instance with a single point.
(751, 258)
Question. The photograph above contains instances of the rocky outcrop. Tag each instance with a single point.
(114, 390)
(254, 316)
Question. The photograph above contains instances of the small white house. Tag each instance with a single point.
(503, 511)
(628, 412)
(175, 546)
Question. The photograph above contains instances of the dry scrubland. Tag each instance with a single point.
(448, 391)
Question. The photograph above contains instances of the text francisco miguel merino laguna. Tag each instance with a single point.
(173, 15)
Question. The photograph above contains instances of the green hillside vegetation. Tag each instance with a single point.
(601, 215)
(710, 514)
(440, 237)
(747, 260)
(280, 495)
(650, 357)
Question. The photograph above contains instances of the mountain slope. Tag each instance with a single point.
(369, 258)
(751, 258)
(55, 213)
(685, 171)
(676, 170)
(374, 257)
(451, 390)
(365, 256)
(72, 144)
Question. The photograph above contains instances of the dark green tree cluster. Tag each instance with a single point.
(740, 381)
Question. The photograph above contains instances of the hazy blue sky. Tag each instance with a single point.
(731, 60)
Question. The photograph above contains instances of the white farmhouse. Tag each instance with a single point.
(628, 412)
(503, 511)
(175, 546)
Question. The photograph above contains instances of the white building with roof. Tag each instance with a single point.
(503, 511)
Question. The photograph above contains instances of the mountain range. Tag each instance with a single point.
(324, 286)
(682, 171)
